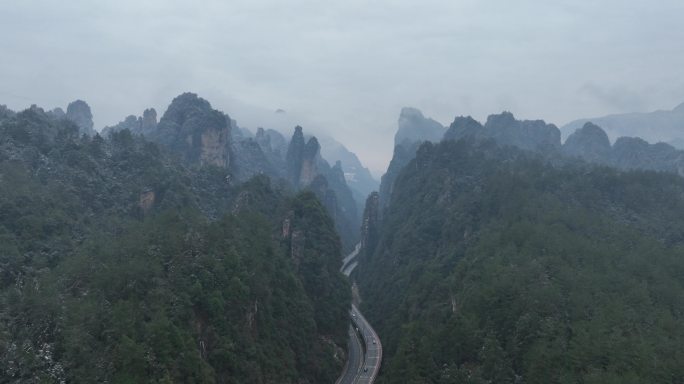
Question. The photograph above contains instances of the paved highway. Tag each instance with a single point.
(363, 364)
(355, 359)
(373, 357)
(351, 256)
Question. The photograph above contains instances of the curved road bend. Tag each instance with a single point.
(360, 367)
(373, 358)
(355, 359)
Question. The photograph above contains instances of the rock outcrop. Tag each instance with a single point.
(414, 127)
(79, 113)
(139, 125)
(464, 126)
(309, 162)
(504, 129)
(532, 135)
(589, 143)
(306, 169)
(370, 224)
(293, 159)
(131, 122)
(148, 122)
(274, 147)
(302, 159)
(196, 131)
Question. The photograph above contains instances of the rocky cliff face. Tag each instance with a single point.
(148, 122)
(306, 169)
(413, 129)
(320, 187)
(293, 159)
(413, 126)
(272, 141)
(302, 159)
(370, 224)
(310, 159)
(273, 147)
(138, 125)
(533, 135)
(192, 128)
(79, 112)
(464, 127)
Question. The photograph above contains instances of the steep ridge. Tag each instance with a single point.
(589, 143)
(413, 129)
(500, 265)
(201, 135)
(306, 169)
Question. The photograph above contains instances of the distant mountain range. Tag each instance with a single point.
(658, 126)
(588, 141)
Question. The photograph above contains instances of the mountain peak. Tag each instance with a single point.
(590, 143)
(463, 126)
(504, 119)
(193, 128)
(78, 111)
(411, 113)
(415, 127)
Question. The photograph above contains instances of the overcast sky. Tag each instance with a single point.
(346, 67)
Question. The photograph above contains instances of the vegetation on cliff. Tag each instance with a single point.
(494, 266)
(120, 264)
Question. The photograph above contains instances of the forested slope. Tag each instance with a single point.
(493, 266)
(119, 264)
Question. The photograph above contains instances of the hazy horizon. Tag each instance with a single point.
(346, 68)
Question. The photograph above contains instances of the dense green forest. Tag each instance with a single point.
(494, 266)
(119, 264)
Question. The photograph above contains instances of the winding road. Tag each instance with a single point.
(364, 347)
